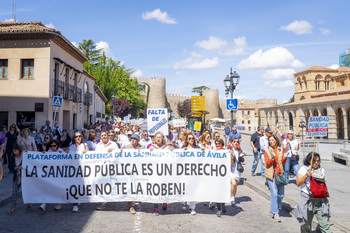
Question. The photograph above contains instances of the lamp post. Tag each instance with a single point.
(302, 125)
(230, 82)
(113, 98)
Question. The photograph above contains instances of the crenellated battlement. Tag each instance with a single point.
(152, 79)
(178, 96)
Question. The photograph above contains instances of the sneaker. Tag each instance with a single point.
(233, 201)
(42, 207)
(253, 174)
(132, 210)
(75, 208)
(128, 206)
(165, 206)
(224, 209)
(193, 212)
(276, 217)
(219, 213)
(101, 207)
(156, 211)
(184, 206)
(58, 207)
(211, 205)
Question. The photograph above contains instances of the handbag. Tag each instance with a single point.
(240, 167)
(281, 180)
(295, 157)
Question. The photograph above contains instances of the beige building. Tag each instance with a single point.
(36, 64)
(319, 91)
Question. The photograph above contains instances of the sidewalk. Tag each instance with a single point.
(338, 182)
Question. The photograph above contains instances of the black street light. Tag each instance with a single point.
(113, 98)
(230, 82)
(302, 125)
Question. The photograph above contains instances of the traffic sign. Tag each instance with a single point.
(57, 101)
(231, 104)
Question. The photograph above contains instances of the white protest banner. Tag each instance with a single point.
(126, 120)
(157, 120)
(179, 123)
(160, 176)
(318, 126)
(143, 126)
(133, 121)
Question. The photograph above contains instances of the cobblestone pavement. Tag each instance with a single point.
(251, 214)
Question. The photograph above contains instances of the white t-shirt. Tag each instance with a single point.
(293, 144)
(79, 150)
(302, 171)
(100, 147)
(91, 145)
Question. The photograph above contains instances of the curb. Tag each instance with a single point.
(287, 203)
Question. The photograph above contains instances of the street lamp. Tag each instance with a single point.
(113, 98)
(302, 125)
(230, 82)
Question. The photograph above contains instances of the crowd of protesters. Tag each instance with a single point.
(277, 152)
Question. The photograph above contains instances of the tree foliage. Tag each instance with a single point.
(184, 108)
(114, 78)
(88, 47)
(199, 90)
(121, 107)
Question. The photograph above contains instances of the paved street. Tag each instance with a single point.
(251, 214)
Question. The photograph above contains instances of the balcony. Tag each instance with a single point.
(87, 98)
(78, 98)
(71, 92)
(59, 89)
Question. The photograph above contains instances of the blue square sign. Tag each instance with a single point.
(231, 104)
(57, 101)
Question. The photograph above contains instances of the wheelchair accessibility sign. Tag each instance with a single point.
(231, 104)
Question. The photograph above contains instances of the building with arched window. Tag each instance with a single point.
(36, 64)
(325, 92)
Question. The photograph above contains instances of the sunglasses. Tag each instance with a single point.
(235, 141)
(111, 135)
(78, 136)
(217, 143)
(47, 138)
(53, 146)
(190, 138)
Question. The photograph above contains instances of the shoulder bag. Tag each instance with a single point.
(280, 180)
(295, 157)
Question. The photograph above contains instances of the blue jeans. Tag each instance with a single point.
(277, 194)
(262, 164)
(256, 161)
(295, 165)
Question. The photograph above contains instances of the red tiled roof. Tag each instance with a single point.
(344, 69)
(316, 68)
(25, 27)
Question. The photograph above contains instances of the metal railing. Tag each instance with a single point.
(87, 98)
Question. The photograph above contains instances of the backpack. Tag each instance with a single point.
(318, 188)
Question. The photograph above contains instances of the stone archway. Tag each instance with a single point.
(290, 116)
(340, 123)
(315, 112)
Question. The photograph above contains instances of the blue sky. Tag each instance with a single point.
(194, 43)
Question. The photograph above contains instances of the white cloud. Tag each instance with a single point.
(180, 73)
(158, 15)
(195, 63)
(334, 66)
(105, 47)
(50, 25)
(137, 74)
(9, 20)
(299, 27)
(213, 43)
(194, 54)
(278, 74)
(239, 46)
(325, 31)
(121, 63)
(75, 44)
(270, 84)
(274, 58)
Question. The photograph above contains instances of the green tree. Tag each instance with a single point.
(184, 108)
(114, 78)
(88, 47)
(199, 90)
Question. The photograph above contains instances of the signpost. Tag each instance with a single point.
(231, 104)
(197, 103)
(57, 103)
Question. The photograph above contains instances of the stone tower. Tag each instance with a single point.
(211, 102)
(154, 91)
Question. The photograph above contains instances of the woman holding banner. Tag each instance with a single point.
(159, 143)
(78, 147)
(274, 159)
(190, 143)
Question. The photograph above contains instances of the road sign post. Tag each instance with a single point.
(57, 103)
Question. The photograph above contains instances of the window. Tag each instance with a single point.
(342, 83)
(248, 112)
(248, 122)
(242, 112)
(242, 122)
(74, 121)
(28, 68)
(3, 68)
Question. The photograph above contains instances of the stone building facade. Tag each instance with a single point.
(319, 91)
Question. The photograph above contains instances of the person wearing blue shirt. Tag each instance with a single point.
(236, 134)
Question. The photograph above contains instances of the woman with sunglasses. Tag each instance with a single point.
(78, 147)
(219, 144)
(11, 138)
(274, 159)
(291, 147)
(45, 144)
(205, 141)
(236, 158)
(65, 140)
(190, 143)
(159, 143)
(54, 146)
(307, 206)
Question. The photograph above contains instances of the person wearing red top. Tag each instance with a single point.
(274, 159)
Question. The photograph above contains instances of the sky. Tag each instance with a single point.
(196, 42)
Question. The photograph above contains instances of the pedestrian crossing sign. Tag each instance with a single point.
(57, 101)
